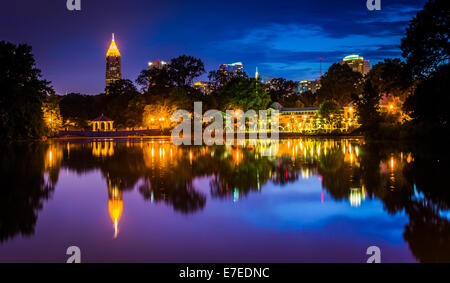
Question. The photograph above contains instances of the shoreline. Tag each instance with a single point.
(159, 134)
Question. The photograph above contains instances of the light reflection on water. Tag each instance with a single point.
(148, 200)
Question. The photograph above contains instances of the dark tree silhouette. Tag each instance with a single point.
(22, 93)
(426, 44)
(339, 83)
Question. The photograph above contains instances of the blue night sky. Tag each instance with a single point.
(284, 38)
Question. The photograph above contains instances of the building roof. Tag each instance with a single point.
(276, 106)
(113, 50)
(353, 57)
(300, 109)
(102, 118)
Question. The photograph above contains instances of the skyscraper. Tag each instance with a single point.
(307, 85)
(113, 64)
(238, 66)
(157, 64)
(357, 63)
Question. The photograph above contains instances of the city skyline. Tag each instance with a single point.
(275, 40)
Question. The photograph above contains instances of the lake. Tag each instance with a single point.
(299, 200)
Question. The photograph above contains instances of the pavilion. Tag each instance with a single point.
(103, 124)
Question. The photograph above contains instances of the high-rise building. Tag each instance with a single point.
(238, 66)
(113, 64)
(357, 63)
(306, 85)
(157, 64)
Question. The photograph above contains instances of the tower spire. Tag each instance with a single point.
(113, 37)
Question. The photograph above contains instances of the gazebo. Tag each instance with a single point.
(102, 123)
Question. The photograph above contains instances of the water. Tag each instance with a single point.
(314, 200)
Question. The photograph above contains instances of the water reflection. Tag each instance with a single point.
(406, 178)
(29, 174)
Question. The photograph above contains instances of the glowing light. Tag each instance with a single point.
(353, 57)
(115, 207)
(356, 197)
(235, 195)
(113, 50)
(391, 106)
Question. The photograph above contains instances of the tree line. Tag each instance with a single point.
(29, 107)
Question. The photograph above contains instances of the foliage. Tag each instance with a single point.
(284, 92)
(51, 114)
(339, 83)
(157, 115)
(78, 108)
(426, 43)
(308, 99)
(367, 106)
(119, 104)
(184, 69)
(181, 72)
(244, 94)
(328, 109)
(390, 77)
(22, 93)
(219, 77)
(430, 101)
(155, 79)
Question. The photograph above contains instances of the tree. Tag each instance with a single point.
(328, 110)
(338, 84)
(122, 88)
(367, 106)
(184, 69)
(22, 93)
(244, 94)
(426, 44)
(308, 98)
(391, 77)
(155, 80)
(118, 106)
(430, 101)
(220, 77)
(51, 114)
(157, 115)
(78, 108)
(284, 92)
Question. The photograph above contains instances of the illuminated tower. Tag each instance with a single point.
(257, 76)
(113, 64)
